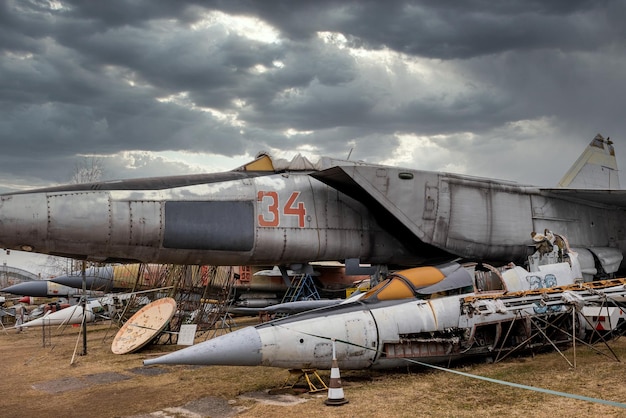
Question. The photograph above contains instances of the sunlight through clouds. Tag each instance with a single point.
(250, 27)
(425, 153)
(197, 85)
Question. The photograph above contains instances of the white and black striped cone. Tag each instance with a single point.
(335, 391)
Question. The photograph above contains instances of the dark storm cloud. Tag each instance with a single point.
(476, 77)
(444, 29)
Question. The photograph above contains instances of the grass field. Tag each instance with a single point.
(40, 381)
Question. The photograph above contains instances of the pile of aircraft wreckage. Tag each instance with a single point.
(374, 219)
(434, 314)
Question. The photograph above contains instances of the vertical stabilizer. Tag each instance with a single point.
(596, 168)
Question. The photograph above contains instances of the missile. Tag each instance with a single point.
(110, 278)
(285, 307)
(68, 316)
(40, 288)
(30, 300)
(96, 278)
(304, 340)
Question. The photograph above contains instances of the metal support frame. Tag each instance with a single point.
(310, 376)
(536, 323)
(46, 333)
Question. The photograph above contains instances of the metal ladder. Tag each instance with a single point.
(302, 288)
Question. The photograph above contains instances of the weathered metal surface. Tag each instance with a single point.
(379, 333)
(290, 219)
(334, 211)
(480, 218)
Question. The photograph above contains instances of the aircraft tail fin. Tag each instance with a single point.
(596, 168)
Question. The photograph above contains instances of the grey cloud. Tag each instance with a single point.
(87, 78)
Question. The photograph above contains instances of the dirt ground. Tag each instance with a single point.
(52, 380)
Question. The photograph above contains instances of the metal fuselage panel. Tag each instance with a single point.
(484, 218)
(263, 221)
(479, 218)
(384, 334)
(398, 323)
(308, 343)
(583, 225)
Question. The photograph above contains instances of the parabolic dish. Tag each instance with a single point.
(142, 327)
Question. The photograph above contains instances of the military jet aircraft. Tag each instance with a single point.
(427, 314)
(273, 212)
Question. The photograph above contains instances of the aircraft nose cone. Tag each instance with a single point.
(34, 288)
(39, 288)
(239, 348)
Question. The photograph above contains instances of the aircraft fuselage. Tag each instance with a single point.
(477, 218)
(251, 221)
(416, 316)
(377, 214)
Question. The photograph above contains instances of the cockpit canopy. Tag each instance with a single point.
(436, 281)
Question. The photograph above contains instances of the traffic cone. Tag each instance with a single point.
(335, 391)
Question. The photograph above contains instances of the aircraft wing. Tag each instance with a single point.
(474, 218)
(615, 198)
(261, 166)
(155, 183)
(391, 201)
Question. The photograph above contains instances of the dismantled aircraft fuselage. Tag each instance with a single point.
(427, 314)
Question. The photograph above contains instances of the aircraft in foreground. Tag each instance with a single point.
(272, 212)
(428, 314)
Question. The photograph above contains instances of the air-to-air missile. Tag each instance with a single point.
(272, 212)
(425, 314)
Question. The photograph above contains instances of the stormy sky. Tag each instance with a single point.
(513, 89)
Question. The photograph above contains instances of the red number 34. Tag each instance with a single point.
(291, 208)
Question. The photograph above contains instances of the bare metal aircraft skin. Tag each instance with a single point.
(236, 218)
(267, 214)
(427, 314)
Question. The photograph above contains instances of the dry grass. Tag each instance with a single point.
(401, 393)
